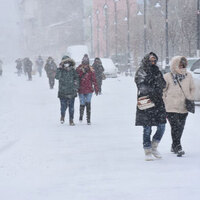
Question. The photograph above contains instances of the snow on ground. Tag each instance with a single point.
(40, 159)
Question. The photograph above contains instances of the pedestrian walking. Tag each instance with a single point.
(150, 106)
(88, 85)
(98, 68)
(39, 64)
(68, 87)
(19, 66)
(179, 86)
(28, 68)
(50, 69)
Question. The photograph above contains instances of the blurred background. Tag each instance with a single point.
(123, 30)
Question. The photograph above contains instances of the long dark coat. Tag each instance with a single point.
(50, 69)
(98, 68)
(150, 81)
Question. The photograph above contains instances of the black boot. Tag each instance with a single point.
(82, 108)
(179, 151)
(88, 109)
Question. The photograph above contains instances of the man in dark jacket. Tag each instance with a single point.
(68, 87)
(98, 68)
(50, 69)
(19, 66)
(150, 83)
(28, 68)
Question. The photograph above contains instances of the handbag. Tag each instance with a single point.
(189, 104)
(144, 103)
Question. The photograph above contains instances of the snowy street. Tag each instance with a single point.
(40, 159)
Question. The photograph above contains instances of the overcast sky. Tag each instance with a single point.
(9, 29)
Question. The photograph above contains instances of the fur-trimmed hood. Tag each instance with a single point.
(68, 60)
(174, 65)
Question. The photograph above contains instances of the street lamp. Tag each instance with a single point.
(116, 33)
(127, 19)
(105, 7)
(198, 28)
(145, 28)
(98, 49)
(91, 37)
(166, 35)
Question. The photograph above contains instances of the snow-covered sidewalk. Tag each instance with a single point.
(40, 159)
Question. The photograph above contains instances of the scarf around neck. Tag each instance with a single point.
(178, 77)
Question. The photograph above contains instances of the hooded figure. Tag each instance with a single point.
(88, 85)
(68, 87)
(50, 69)
(28, 67)
(150, 83)
(98, 68)
(174, 99)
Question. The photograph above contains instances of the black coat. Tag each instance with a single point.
(98, 68)
(150, 82)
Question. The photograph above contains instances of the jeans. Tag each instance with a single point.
(67, 102)
(85, 98)
(147, 135)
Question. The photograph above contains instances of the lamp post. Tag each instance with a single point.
(166, 35)
(198, 27)
(127, 19)
(145, 28)
(105, 7)
(116, 33)
(98, 48)
(91, 37)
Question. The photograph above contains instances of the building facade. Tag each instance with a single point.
(110, 27)
(48, 27)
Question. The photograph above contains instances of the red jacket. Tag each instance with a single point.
(88, 81)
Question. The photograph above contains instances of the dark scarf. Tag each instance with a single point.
(178, 77)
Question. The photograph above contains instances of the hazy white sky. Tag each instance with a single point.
(9, 29)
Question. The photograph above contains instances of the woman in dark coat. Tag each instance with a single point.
(98, 68)
(50, 69)
(68, 87)
(150, 82)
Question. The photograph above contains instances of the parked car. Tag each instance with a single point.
(194, 68)
(110, 70)
(196, 76)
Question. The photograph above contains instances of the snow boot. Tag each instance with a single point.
(88, 109)
(82, 108)
(62, 119)
(148, 155)
(71, 122)
(155, 152)
(172, 149)
(179, 151)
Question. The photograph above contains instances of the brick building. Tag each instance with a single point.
(104, 25)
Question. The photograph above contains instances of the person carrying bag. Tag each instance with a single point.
(178, 92)
(150, 106)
